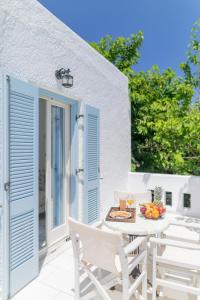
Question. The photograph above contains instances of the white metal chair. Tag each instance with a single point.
(97, 249)
(177, 267)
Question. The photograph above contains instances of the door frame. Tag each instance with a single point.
(6, 208)
(66, 185)
(75, 105)
(75, 108)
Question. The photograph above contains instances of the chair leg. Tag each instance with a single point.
(125, 284)
(154, 285)
(198, 284)
(144, 283)
(161, 293)
(144, 287)
(77, 281)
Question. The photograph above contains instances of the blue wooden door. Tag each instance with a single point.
(23, 192)
(91, 205)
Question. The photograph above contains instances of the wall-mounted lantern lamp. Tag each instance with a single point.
(65, 77)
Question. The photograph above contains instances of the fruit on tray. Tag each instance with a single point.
(152, 210)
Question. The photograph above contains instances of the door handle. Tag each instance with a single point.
(7, 186)
(79, 171)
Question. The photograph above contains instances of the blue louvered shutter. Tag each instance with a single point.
(74, 162)
(91, 205)
(23, 174)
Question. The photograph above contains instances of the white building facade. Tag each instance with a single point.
(62, 151)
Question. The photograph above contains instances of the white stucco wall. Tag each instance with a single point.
(176, 184)
(34, 43)
(1, 187)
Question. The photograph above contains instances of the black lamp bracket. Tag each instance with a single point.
(61, 73)
(79, 116)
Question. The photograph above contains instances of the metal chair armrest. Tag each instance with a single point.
(174, 243)
(97, 224)
(186, 225)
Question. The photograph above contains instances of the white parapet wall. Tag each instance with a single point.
(178, 185)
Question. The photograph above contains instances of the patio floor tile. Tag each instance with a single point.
(60, 279)
(36, 290)
(63, 261)
(63, 296)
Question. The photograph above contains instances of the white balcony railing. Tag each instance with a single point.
(178, 185)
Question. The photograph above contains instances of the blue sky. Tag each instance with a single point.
(166, 24)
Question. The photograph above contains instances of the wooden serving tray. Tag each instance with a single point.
(129, 220)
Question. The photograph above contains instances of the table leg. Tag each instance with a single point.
(136, 272)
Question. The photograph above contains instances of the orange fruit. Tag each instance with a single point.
(155, 214)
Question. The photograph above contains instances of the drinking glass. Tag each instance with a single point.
(122, 204)
(130, 202)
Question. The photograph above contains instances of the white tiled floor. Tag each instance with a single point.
(56, 280)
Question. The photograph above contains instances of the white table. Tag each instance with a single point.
(142, 226)
(146, 227)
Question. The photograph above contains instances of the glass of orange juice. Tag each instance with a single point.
(122, 204)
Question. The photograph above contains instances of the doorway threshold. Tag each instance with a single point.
(48, 253)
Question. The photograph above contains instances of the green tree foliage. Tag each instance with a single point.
(191, 67)
(122, 52)
(165, 129)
